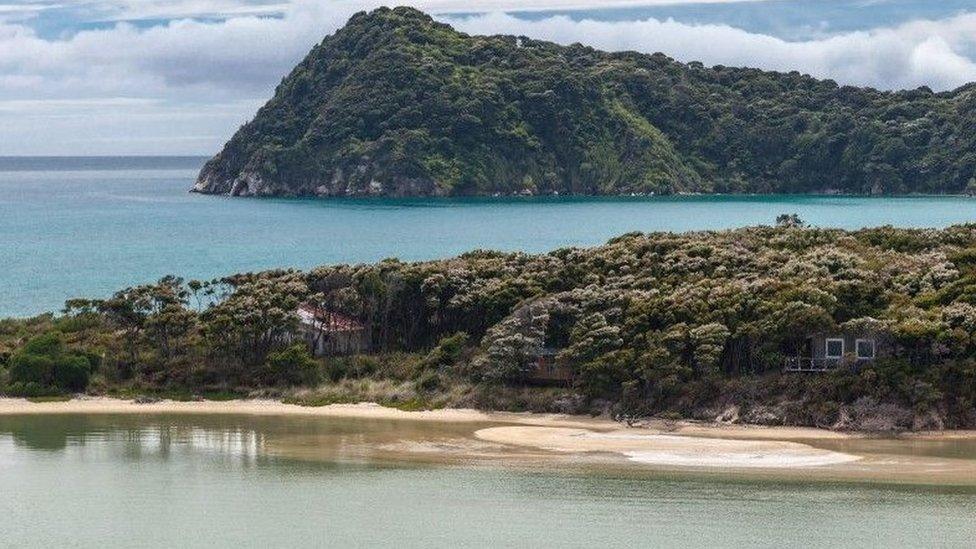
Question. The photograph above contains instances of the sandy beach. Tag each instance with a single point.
(686, 445)
(673, 450)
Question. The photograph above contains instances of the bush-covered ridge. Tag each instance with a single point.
(397, 104)
(694, 324)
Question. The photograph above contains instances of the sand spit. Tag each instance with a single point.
(669, 450)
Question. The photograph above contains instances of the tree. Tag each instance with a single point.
(512, 345)
(789, 221)
(591, 337)
(158, 309)
(708, 342)
(257, 316)
(45, 364)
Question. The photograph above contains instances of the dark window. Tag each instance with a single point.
(835, 348)
(865, 349)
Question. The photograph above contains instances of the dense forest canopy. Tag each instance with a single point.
(395, 103)
(686, 323)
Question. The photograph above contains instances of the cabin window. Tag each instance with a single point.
(865, 349)
(834, 348)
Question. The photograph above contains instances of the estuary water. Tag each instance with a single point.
(86, 227)
(244, 481)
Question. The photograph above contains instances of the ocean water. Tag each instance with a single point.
(197, 481)
(81, 227)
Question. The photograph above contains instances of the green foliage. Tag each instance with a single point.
(512, 344)
(395, 103)
(292, 366)
(429, 381)
(45, 365)
(591, 337)
(709, 341)
(246, 325)
(447, 352)
(789, 220)
(691, 323)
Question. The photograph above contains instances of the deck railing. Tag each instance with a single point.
(808, 364)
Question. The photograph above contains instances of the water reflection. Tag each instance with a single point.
(133, 438)
(255, 441)
(242, 438)
(205, 481)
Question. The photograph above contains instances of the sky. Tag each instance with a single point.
(162, 77)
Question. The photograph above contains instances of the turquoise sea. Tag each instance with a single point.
(85, 227)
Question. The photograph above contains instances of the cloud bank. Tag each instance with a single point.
(195, 81)
(921, 53)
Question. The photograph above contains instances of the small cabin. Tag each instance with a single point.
(547, 368)
(329, 333)
(843, 348)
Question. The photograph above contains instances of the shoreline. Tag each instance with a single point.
(554, 439)
(371, 410)
(557, 195)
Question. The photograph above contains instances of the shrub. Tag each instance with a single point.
(45, 364)
(336, 369)
(292, 366)
(30, 390)
(77, 323)
(447, 352)
(72, 373)
(428, 381)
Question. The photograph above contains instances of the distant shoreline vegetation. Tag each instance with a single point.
(870, 329)
(395, 104)
(47, 163)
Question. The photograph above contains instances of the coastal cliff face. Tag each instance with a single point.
(395, 104)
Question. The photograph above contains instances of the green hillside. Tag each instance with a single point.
(397, 104)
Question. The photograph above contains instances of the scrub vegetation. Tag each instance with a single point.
(686, 325)
(397, 104)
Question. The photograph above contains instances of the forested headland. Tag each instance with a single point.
(694, 325)
(396, 104)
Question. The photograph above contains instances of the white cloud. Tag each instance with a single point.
(133, 10)
(911, 55)
(192, 66)
(53, 106)
(455, 6)
(242, 56)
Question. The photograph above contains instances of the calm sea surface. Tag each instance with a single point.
(86, 227)
(197, 481)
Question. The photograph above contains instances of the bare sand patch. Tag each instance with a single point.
(106, 405)
(669, 450)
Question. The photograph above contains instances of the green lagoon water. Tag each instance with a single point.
(197, 481)
(87, 227)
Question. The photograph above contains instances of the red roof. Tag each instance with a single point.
(327, 321)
